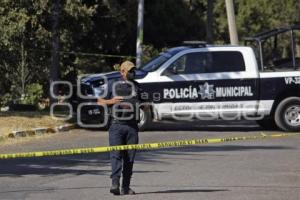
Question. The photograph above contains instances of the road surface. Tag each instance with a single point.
(244, 170)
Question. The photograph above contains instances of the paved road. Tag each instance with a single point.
(254, 170)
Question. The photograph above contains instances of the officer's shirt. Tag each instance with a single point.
(127, 111)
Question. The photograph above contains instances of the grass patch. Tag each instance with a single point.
(16, 121)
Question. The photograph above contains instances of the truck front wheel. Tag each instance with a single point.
(287, 114)
(145, 119)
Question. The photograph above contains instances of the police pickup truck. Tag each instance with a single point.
(206, 82)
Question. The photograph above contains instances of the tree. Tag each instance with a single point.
(20, 33)
(25, 39)
(90, 28)
(169, 23)
(209, 21)
(254, 16)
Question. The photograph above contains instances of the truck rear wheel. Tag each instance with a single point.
(287, 114)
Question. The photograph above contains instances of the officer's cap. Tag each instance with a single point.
(127, 66)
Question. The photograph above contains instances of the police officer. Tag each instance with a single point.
(123, 100)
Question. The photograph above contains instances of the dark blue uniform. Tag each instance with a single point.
(124, 128)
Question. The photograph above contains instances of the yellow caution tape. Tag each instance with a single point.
(148, 146)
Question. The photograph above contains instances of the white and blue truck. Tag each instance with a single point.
(259, 81)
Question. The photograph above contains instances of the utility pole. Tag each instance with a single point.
(140, 33)
(231, 22)
(54, 71)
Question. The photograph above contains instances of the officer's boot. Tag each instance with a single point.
(115, 186)
(126, 190)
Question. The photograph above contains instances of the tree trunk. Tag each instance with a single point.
(209, 21)
(23, 58)
(55, 71)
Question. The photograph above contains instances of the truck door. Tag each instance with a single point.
(208, 84)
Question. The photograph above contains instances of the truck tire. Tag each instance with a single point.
(145, 119)
(287, 114)
(267, 123)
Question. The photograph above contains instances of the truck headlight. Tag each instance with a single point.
(100, 90)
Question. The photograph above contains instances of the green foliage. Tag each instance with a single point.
(149, 52)
(25, 40)
(109, 27)
(5, 99)
(33, 94)
(254, 16)
(169, 22)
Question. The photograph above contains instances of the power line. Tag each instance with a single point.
(86, 54)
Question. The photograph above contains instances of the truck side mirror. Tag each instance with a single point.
(171, 70)
(174, 69)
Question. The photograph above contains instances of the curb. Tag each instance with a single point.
(38, 131)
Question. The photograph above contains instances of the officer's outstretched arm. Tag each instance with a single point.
(111, 101)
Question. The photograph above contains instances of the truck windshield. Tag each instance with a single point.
(155, 62)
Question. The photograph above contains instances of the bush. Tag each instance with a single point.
(148, 53)
(33, 93)
(5, 99)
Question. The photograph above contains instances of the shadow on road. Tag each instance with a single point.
(219, 148)
(219, 125)
(84, 188)
(182, 191)
(48, 166)
(198, 152)
(94, 163)
(61, 165)
(50, 189)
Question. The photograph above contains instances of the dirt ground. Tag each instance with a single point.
(13, 121)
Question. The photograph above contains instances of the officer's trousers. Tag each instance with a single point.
(122, 134)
